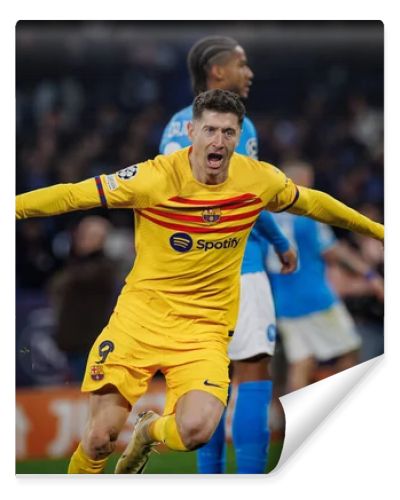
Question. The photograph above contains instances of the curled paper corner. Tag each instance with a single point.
(307, 408)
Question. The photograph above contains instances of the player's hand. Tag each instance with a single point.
(289, 261)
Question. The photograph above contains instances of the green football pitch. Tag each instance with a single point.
(163, 463)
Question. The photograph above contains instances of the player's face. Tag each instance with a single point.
(214, 138)
(236, 73)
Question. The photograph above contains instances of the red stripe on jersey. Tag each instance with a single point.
(233, 206)
(170, 215)
(245, 204)
(190, 229)
(199, 218)
(213, 203)
(245, 215)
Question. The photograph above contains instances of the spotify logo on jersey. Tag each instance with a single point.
(181, 242)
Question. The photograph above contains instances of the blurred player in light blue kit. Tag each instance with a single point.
(220, 62)
(314, 324)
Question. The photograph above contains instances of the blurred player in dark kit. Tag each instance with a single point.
(83, 293)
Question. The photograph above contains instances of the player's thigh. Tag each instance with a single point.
(205, 369)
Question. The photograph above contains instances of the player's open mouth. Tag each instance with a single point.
(214, 160)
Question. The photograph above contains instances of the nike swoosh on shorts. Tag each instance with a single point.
(206, 382)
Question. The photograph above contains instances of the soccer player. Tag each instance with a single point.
(194, 210)
(220, 62)
(315, 325)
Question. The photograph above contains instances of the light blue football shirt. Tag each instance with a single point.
(175, 136)
(307, 290)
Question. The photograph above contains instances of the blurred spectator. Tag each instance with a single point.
(39, 360)
(366, 123)
(34, 258)
(83, 293)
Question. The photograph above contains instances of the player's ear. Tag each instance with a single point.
(238, 135)
(190, 129)
(238, 138)
(216, 72)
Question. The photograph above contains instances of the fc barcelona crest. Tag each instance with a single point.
(97, 372)
(211, 215)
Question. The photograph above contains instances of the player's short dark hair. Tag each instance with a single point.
(204, 53)
(223, 101)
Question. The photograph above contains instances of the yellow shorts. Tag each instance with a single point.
(129, 363)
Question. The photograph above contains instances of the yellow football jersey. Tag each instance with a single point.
(190, 239)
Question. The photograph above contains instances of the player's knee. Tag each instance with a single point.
(99, 442)
(195, 432)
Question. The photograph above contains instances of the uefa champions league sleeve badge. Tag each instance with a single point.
(128, 173)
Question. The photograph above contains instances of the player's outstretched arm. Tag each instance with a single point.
(58, 199)
(324, 208)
